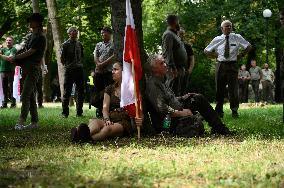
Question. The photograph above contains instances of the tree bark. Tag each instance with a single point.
(35, 6)
(279, 50)
(47, 58)
(57, 37)
(118, 16)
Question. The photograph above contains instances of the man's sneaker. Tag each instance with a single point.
(40, 106)
(32, 126)
(19, 127)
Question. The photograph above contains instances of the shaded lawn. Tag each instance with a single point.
(45, 157)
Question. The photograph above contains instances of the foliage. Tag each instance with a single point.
(45, 157)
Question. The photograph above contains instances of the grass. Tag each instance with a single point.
(46, 158)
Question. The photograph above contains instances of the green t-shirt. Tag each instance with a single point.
(6, 66)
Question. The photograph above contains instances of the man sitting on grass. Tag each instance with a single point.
(163, 101)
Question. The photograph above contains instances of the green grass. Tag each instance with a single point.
(45, 157)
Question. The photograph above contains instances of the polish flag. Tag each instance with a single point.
(16, 84)
(132, 70)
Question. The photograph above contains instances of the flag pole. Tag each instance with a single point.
(135, 97)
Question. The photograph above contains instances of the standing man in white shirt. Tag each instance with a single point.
(225, 48)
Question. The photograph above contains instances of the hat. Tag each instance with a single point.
(35, 17)
(106, 29)
(71, 29)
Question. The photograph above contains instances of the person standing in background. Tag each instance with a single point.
(256, 76)
(7, 71)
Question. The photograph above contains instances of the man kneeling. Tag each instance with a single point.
(163, 101)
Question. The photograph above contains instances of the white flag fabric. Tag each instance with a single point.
(130, 95)
(16, 84)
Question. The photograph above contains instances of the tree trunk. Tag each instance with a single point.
(118, 16)
(47, 58)
(57, 37)
(279, 50)
(35, 6)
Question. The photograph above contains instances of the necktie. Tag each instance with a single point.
(227, 48)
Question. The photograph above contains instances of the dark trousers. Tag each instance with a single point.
(7, 84)
(28, 95)
(197, 102)
(243, 91)
(176, 82)
(39, 90)
(101, 81)
(227, 74)
(267, 87)
(71, 76)
(255, 88)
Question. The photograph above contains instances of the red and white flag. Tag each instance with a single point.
(16, 84)
(132, 70)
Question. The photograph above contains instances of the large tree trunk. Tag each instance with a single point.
(279, 50)
(118, 24)
(35, 6)
(47, 58)
(57, 37)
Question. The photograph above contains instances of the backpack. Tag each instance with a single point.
(190, 126)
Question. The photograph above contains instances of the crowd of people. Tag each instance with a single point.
(166, 96)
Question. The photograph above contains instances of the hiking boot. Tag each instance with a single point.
(13, 106)
(32, 126)
(222, 131)
(235, 114)
(19, 127)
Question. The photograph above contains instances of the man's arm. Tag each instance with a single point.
(210, 50)
(167, 50)
(108, 61)
(244, 52)
(191, 62)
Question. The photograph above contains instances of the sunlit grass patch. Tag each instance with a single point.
(45, 157)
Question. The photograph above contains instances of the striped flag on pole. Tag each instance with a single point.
(132, 70)
(16, 84)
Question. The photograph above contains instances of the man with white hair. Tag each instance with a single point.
(71, 58)
(225, 48)
(164, 102)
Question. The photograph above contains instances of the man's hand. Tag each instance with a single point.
(138, 121)
(185, 112)
(108, 123)
(45, 70)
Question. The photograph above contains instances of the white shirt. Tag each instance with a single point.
(267, 75)
(236, 41)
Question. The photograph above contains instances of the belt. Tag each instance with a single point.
(227, 62)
